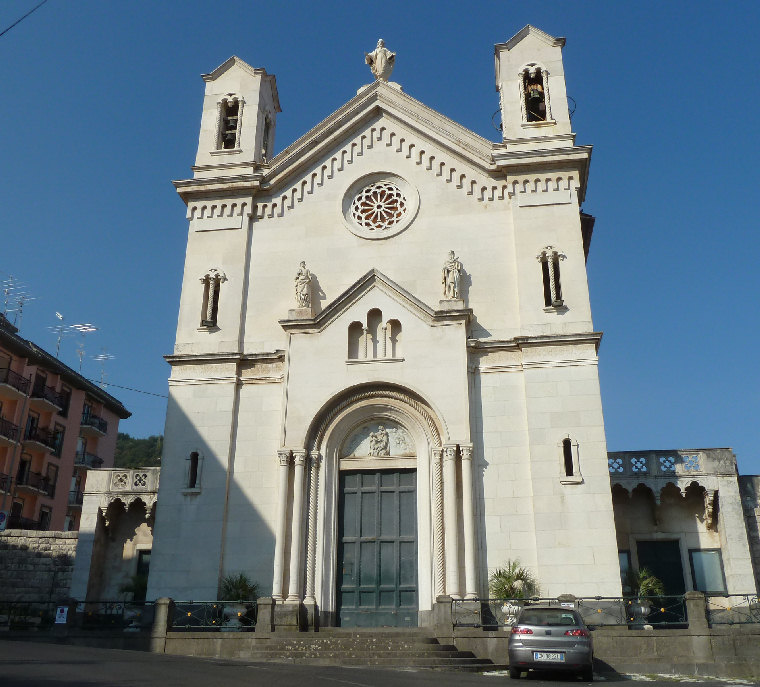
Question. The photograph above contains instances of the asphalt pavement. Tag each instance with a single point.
(55, 665)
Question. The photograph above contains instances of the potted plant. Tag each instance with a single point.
(644, 585)
(512, 581)
(240, 589)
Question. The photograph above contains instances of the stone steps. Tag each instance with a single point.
(384, 647)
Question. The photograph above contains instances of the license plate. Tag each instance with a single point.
(549, 656)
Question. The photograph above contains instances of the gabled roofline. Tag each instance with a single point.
(529, 30)
(253, 71)
(370, 101)
(374, 279)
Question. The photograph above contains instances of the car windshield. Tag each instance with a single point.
(548, 617)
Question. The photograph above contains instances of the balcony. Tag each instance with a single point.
(16, 522)
(9, 433)
(75, 499)
(41, 439)
(34, 481)
(87, 460)
(12, 385)
(92, 425)
(46, 398)
(5, 482)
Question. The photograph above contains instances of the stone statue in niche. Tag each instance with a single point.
(379, 442)
(451, 273)
(303, 286)
(381, 61)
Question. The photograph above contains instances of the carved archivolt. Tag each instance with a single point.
(379, 394)
(380, 137)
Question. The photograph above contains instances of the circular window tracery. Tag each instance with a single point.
(379, 206)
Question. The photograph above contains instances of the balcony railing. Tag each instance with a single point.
(76, 498)
(49, 394)
(88, 460)
(42, 436)
(34, 480)
(11, 378)
(97, 423)
(16, 522)
(8, 430)
(5, 482)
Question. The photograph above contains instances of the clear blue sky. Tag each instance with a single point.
(101, 107)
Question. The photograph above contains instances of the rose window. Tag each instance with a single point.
(379, 206)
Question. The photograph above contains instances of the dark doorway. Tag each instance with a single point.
(377, 549)
(663, 558)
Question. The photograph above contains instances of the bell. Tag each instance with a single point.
(534, 94)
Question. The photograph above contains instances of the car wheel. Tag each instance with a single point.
(587, 675)
(514, 673)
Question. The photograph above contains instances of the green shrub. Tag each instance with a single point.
(513, 582)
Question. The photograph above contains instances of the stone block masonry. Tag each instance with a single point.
(36, 566)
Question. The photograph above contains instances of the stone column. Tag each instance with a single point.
(384, 341)
(282, 521)
(440, 561)
(450, 524)
(468, 520)
(365, 341)
(311, 536)
(296, 532)
(162, 621)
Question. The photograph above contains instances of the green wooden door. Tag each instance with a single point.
(377, 549)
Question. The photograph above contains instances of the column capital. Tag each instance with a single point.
(283, 455)
(449, 452)
(299, 457)
(466, 451)
(437, 453)
(316, 458)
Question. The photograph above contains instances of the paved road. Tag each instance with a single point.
(52, 665)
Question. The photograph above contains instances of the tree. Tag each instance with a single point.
(138, 453)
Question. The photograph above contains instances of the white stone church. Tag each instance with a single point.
(384, 383)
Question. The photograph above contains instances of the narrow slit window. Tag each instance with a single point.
(567, 455)
(192, 473)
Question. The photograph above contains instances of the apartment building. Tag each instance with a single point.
(54, 426)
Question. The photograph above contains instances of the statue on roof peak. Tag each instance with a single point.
(381, 61)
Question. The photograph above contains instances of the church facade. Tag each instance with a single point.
(384, 383)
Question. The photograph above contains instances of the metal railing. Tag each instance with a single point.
(49, 394)
(5, 482)
(11, 378)
(597, 611)
(95, 422)
(27, 615)
(732, 609)
(42, 436)
(37, 481)
(210, 616)
(129, 616)
(8, 429)
(89, 460)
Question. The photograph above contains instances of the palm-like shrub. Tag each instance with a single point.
(238, 588)
(644, 583)
(513, 581)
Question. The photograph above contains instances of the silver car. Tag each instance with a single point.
(550, 638)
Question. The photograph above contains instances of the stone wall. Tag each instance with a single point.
(749, 486)
(36, 566)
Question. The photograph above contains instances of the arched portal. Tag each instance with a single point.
(373, 543)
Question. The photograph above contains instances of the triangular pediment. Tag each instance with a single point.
(526, 31)
(374, 101)
(380, 118)
(371, 280)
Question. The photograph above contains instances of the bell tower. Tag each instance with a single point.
(240, 108)
(530, 80)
